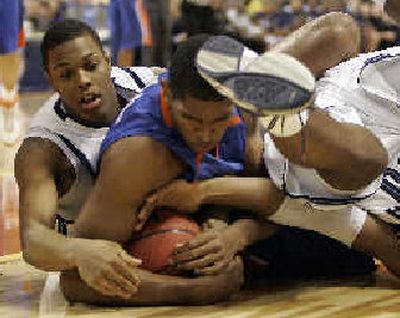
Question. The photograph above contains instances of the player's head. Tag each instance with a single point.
(200, 113)
(79, 70)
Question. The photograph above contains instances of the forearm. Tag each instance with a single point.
(324, 42)
(154, 290)
(340, 150)
(40, 241)
(257, 194)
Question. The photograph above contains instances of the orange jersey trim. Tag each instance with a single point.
(166, 114)
(235, 120)
(21, 39)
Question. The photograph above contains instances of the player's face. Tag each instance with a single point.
(201, 123)
(80, 72)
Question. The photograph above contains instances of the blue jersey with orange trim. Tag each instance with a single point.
(146, 117)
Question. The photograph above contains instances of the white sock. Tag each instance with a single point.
(9, 94)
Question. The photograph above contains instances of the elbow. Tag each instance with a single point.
(371, 166)
(29, 257)
(376, 166)
(27, 252)
(343, 33)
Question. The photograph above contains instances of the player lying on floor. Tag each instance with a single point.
(334, 166)
(156, 139)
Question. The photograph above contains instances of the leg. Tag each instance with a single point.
(161, 289)
(379, 239)
(296, 253)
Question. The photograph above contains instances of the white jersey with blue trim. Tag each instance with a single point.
(370, 84)
(79, 143)
(363, 91)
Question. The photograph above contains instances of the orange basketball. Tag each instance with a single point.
(155, 244)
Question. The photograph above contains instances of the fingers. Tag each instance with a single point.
(145, 212)
(200, 240)
(127, 272)
(201, 263)
(110, 288)
(129, 260)
(119, 283)
(214, 269)
(119, 278)
(198, 252)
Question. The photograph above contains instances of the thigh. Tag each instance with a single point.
(298, 253)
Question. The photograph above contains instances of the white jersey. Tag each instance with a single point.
(79, 143)
(360, 91)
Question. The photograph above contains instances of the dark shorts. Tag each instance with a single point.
(296, 253)
(62, 224)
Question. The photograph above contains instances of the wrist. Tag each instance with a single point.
(74, 247)
(236, 237)
(203, 191)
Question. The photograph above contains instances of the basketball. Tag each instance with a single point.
(155, 244)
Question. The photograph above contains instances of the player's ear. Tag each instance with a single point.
(108, 59)
(52, 83)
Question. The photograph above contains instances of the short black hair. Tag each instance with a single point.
(64, 31)
(184, 80)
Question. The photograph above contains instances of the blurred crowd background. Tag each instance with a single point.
(145, 32)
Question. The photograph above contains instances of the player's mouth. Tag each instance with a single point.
(90, 101)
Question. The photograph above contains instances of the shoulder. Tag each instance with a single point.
(135, 78)
(37, 154)
(130, 150)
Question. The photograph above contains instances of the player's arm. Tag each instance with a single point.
(158, 290)
(130, 169)
(125, 179)
(323, 42)
(392, 7)
(381, 240)
(37, 164)
(347, 156)
(35, 171)
(257, 194)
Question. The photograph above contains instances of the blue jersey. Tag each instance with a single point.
(148, 116)
(9, 26)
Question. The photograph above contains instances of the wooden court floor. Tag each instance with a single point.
(27, 292)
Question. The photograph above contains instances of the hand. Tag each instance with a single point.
(107, 268)
(180, 195)
(207, 254)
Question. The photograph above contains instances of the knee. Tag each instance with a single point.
(344, 31)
